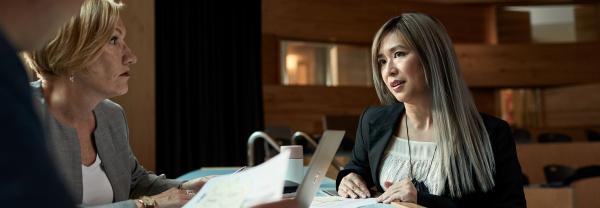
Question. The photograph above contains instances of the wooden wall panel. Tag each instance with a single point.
(139, 102)
(302, 107)
(523, 65)
(533, 157)
(486, 100)
(586, 22)
(513, 27)
(537, 197)
(357, 20)
(576, 133)
(270, 60)
(574, 106)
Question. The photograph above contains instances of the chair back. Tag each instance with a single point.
(553, 137)
(557, 173)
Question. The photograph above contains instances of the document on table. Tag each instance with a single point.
(340, 202)
(257, 185)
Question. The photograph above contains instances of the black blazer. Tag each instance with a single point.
(375, 129)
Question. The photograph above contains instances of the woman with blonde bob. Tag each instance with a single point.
(427, 143)
(84, 65)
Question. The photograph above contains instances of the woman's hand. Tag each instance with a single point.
(353, 186)
(173, 198)
(196, 184)
(403, 191)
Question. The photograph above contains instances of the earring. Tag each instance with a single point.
(72, 78)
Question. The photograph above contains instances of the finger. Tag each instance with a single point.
(383, 196)
(393, 196)
(349, 191)
(342, 193)
(352, 193)
(344, 189)
(362, 187)
(390, 199)
(356, 188)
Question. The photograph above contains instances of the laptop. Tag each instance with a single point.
(328, 146)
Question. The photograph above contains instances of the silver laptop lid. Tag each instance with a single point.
(328, 145)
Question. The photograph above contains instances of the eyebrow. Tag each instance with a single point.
(392, 49)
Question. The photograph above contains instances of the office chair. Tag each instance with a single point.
(582, 173)
(553, 137)
(555, 174)
(522, 135)
(348, 123)
(592, 136)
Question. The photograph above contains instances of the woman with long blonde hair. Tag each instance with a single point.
(427, 143)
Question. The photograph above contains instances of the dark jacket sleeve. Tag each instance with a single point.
(360, 155)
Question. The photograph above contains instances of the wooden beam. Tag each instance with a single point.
(573, 106)
(356, 21)
(529, 65)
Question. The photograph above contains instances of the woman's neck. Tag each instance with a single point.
(419, 115)
(68, 102)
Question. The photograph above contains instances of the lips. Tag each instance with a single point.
(125, 74)
(397, 83)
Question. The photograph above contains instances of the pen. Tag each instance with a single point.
(240, 170)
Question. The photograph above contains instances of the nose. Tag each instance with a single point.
(129, 57)
(391, 69)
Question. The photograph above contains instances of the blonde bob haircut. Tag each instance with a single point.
(79, 41)
(465, 153)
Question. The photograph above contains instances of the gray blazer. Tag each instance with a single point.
(129, 180)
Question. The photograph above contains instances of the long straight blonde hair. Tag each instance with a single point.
(464, 144)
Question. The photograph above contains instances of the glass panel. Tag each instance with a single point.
(311, 63)
(561, 23)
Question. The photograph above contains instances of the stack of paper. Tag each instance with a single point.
(260, 184)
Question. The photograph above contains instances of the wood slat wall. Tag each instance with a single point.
(576, 133)
(533, 157)
(574, 106)
(527, 65)
(549, 197)
(357, 20)
(513, 26)
(302, 107)
(139, 103)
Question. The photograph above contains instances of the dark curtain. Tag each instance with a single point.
(208, 83)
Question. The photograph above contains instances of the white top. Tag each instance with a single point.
(96, 186)
(395, 166)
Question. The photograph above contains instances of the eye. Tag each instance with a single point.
(399, 54)
(381, 62)
(113, 40)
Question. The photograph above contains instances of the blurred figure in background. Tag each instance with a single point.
(29, 176)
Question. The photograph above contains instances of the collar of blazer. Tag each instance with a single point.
(382, 123)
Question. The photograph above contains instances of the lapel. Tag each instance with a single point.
(381, 128)
(106, 150)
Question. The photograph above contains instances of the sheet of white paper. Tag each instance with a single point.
(260, 184)
(340, 202)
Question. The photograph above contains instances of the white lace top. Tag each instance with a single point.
(395, 166)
